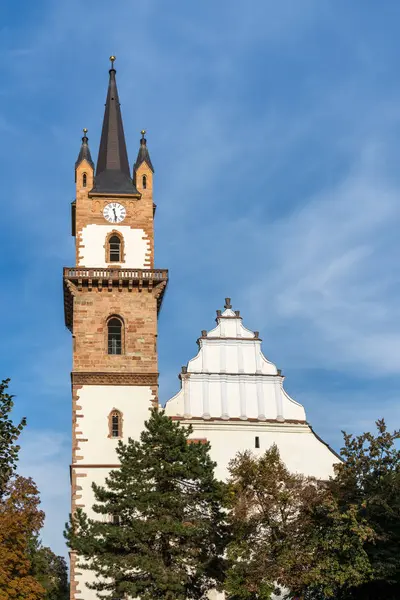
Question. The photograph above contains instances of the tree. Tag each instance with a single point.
(9, 434)
(49, 570)
(160, 531)
(369, 479)
(20, 519)
(289, 531)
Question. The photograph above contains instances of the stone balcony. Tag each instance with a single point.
(78, 279)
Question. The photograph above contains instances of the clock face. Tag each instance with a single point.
(114, 212)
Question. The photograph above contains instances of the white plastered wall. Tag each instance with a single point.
(300, 449)
(88, 477)
(96, 402)
(92, 252)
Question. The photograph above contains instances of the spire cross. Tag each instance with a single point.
(112, 59)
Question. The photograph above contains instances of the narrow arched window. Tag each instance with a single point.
(116, 520)
(144, 182)
(84, 180)
(115, 424)
(115, 248)
(114, 326)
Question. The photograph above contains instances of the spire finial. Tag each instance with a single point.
(228, 303)
(85, 137)
(143, 132)
(112, 171)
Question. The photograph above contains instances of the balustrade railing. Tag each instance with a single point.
(137, 274)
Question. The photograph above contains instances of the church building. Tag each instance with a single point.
(230, 393)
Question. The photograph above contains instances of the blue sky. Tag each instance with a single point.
(274, 130)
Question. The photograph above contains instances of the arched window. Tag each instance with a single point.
(115, 424)
(114, 327)
(114, 244)
(144, 182)
(116, 520)
(84, 180)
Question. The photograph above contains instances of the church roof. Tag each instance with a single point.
(84, 152)
(112, 171)
(143, 154)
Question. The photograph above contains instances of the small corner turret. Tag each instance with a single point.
(143, 168)
(84, 165)
(84, 172)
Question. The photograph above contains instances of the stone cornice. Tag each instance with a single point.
(94, 466)
(110, 378)
(250, 420)
(77, 279)
(222, 339)
(252, 424)
(212, 376)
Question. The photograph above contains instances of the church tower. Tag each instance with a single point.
(112, 297)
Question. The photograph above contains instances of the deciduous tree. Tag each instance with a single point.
(289, 531)
(49, 570)
(9, 434)
(368, 480)
(20, 520)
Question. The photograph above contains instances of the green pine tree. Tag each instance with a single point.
(160, 531)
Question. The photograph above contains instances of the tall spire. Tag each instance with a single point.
(112, 172)
(84, 152)
(143, 154)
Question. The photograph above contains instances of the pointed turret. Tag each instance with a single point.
(143, 154)
(84, 152)
(112, 171)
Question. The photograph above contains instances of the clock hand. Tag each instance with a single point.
(115, 216)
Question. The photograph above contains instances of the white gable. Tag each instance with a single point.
(230, 378)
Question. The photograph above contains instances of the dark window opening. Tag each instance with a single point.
(84, 180)
(114, 336)
(116, 520)
(144, 182)
(257, 442)
(115, 425)
(115, 248)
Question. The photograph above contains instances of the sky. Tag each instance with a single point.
(274, 130)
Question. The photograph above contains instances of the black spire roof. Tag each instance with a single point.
(112, 172)
(84, 152)
(143, 154)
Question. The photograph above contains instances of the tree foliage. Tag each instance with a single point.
(369, 480)
(49, 570)
(159, 533)
(289, 531)
(9, 434)
(20, 520)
